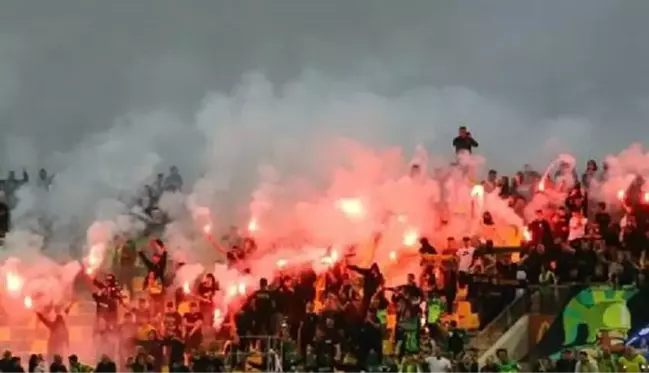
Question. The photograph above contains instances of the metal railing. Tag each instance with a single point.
(239, 354)
(546, 300)
(488, 336)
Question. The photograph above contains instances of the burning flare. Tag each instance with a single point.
(28, 302)
(14, 283)
(252, 226)
(410, 237)
(352, 207)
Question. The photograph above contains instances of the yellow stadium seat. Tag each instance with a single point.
(317, 306)
(446, 319)
(138, 283)
(473, 321)
(463, 308)
(391, 321)
(39, 346)
(74, 310)
(183, 307)
(41, 329)
(5, 334)
(76, 334)
(388, 347)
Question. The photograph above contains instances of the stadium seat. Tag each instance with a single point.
(76, 334)
(39, 346)
(138, 282)
(183, 307)
(391, 321)
(463, 308)
(5, 334)
(33, 322)
(469, 321)
(388, 347)
(74, 310)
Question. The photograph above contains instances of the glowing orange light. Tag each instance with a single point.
(95, 257)
(241, 288)
(217, 318)
(541, 186)
(352, 207)
(186, 288)
(252, 226)
(28, 302)
(281, 263)
(620, 194)
(330, 258)
(14, 282)
(527, 236)
(646, 197)
(207, 229)
(410, 237)
(393, 256)
(232, 290)
(477, 191)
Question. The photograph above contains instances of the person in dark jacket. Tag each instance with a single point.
(372, 280)
(157, 265)
(57, 365)
(464, 141)
(126, 257)
(106, 365)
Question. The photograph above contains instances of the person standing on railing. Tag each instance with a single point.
(465, 257)
(4, 215)
(450, 276)
(464, 141)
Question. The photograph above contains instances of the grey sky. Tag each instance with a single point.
(70, 68)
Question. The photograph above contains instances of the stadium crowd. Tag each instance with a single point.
(347, 319)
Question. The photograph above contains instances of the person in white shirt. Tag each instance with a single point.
(438, 363)
(464, 261)
(577, 226)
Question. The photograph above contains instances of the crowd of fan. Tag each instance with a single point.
(347, 319)
(630, 360)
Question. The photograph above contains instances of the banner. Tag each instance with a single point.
(594, 317)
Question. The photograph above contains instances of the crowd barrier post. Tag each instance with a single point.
(261, 353)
